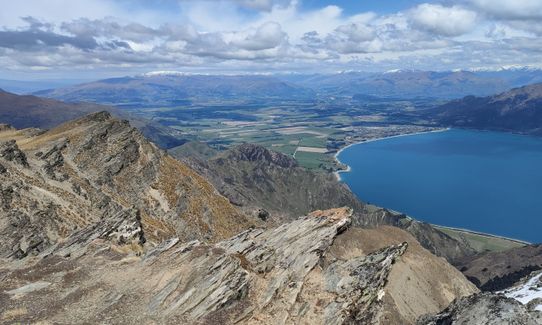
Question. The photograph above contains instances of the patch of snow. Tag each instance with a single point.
(392, 71)
(164, 73)
(527, 292)
(505, 68)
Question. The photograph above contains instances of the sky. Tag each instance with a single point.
(101, 38)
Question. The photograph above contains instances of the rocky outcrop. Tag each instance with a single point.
(54, 159)
(308, 271)
(123, 228)
(87, 177)
(484, 309)
(418, 283)
(6, 127)
(10, 151)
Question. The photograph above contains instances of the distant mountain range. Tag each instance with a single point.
(405, 84)
(177, 89)
(415, 83)
(30, 86)
(27, 111)
(515, 77)
(517, 110)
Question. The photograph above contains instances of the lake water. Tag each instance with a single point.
(484, 181)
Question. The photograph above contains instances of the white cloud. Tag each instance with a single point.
(267, 36)
(511, 9)
(524, 15)
(265, 5)
(446, 21)
(271, 34)
(297, 23)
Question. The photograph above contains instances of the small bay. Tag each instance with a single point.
(488, 182)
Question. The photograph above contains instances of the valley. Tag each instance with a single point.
(310, 130)
(310, 117)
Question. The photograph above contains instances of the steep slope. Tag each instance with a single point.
(96, 169)
(517, 110)
(500, 270)
(301, 272)
(418, 283)
(176, 89)
(35, 112)
(266, 183)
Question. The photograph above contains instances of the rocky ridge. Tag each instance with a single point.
(78, 178)
(300, 272)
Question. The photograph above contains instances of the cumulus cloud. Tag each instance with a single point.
(522, 15)
(447, 21)
(262, 4)
(33, 40)
(269, 34)
(511, 9)
(40, 35)
(354, 38)
(109, 27)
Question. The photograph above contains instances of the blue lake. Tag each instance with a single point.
(484, 181)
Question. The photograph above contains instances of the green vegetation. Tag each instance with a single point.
(321, 126)
(318, 142)
(314, 160)
(480, 242)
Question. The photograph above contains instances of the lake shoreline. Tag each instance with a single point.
(484, 234)
(460, 229)
(348, 168)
